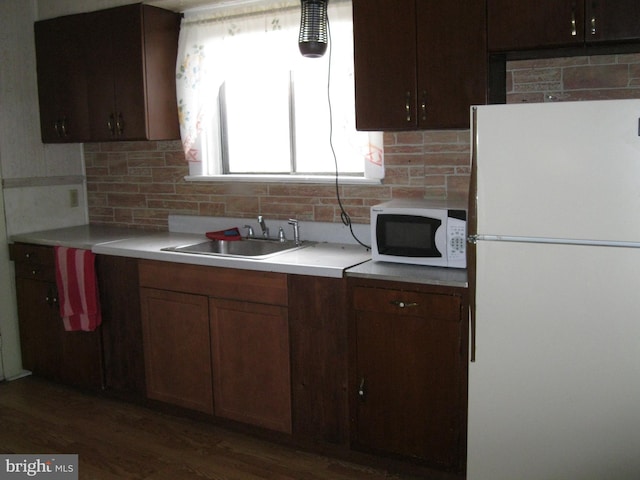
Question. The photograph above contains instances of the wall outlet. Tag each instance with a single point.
(73, 197)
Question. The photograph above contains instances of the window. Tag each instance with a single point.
(250, 104)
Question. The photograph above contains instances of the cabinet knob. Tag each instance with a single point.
(361, 392)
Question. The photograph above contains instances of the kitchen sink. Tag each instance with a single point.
(256, 248)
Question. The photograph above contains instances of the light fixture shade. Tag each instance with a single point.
(313, 28)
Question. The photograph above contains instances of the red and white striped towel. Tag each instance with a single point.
(77, 289)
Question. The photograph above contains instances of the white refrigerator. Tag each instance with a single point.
(554, 380)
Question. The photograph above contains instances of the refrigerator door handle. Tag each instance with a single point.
(473, 230)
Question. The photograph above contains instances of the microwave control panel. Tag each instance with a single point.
(456, 247)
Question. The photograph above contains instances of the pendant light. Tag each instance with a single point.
(313, 28)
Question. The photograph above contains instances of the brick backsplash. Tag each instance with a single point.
(140, 183)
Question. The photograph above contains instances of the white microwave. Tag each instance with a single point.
(420, 232)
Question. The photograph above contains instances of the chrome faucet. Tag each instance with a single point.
(263, 226)
(296, 230)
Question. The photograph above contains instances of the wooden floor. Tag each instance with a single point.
(117, 440)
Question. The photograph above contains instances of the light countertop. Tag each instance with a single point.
(83, 236)
(322, 259)
(398, 272)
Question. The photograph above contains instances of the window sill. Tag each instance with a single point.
(284, 179)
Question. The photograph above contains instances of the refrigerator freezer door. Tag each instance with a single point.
(554, 392)
(559, 170)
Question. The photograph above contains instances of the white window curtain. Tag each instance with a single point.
(212, 44)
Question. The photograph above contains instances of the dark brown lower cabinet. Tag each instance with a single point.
(40, 327)
(216, 340)
(318, 316)
(74, 358)
(409, 354)
(251, 375)
(176, 348)
(121, 326)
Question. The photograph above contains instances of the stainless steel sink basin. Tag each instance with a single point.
(256, 248)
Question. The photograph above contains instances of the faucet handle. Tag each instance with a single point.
(250, 233)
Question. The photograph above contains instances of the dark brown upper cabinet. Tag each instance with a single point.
(62, 84)
(539, 24)
(418, 64)
(116, 76)
(131, 73)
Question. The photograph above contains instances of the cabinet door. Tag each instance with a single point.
(131, 68)
(250, 350)
(62, 84)
(116, 70)
(384, 34)
(409, 372)
(612, 20)
(452, 61)
(175, 330)
(121, 324)
(41, 327)
(318, 317)
(533, 24)
(81, 363)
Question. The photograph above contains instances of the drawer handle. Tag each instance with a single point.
(401, 304)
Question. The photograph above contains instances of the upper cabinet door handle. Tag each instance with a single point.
(110, 125)
(574, 29)
(593, 25)
(408, 106)
(63, 127)
(120, 124)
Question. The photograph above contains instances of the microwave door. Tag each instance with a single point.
(410, 236)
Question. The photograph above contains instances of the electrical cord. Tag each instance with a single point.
(344, 216)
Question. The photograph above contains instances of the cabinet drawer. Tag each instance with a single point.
(42, 273)
(401, 302)
(247, 285)
(29, 254)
